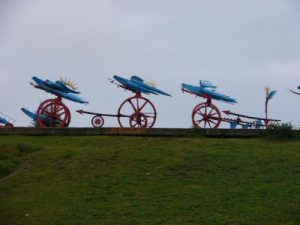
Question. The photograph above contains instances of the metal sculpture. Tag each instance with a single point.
(295, 92)
(136, 111)
(53, 112)
(208, 115)
(6, 121)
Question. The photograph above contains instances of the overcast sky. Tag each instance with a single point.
(239, 45)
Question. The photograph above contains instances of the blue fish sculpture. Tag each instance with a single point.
(208, 89)
(58, 88)
(137, 84)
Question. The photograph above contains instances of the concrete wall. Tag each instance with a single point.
(132, 132)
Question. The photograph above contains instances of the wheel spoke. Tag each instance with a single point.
(59, 120)
(137, 104)
(133, 106)
(46, 113)
(212, 113)
(212, 121)
(149, 116)
(59, 109)
(199, 121)
(61, 114)
(145, 103)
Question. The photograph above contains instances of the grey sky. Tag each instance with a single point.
(240, 45)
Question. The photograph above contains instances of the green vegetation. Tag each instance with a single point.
(136, 180)
(280, 131)
(10, 157)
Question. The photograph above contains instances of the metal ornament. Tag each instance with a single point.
(134, 112)
(208, 115)
(6, 121)
(53, 112)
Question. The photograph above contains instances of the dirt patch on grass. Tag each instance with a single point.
(5, 150)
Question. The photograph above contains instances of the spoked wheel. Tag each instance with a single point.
(53, 113)
(97, 121)
(206, 116)
(138, 120)
(137, 112)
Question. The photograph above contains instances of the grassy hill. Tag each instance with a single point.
(135, 180)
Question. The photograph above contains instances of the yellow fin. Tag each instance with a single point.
(69, 83)
(151, 83)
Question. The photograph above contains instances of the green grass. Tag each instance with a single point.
(134, 180)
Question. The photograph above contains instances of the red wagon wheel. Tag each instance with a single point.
(137, 112)
(97, 121)
(206, 115)
(53, 113)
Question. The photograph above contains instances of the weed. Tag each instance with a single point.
(68, 155)
(24, 148)
(280, 131)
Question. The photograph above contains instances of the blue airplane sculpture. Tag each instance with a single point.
(57, 88)
(295, 92)
(32, 115)
(3, 121)
(207, 89)
(6, 121)
(137, 85)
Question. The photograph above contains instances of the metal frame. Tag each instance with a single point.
(131, 113)
(208, 115)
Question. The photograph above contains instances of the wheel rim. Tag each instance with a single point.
(97, 121)
(136, 108)
(138, 120)
(206, 116)
(53, 113)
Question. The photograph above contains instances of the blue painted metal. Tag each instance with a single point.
(245, 126)
(4, 121)
(137, 85)
(32, 115)
(59, 89)
(207, 89)
(271, 95)
(258, 124)
(233, 124)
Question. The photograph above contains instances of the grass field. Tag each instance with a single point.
(135, 180)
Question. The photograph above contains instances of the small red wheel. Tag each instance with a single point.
(138, 120)
(9, 125)
(97, 121)
(206, 115)
(53, 113)
(137, 109)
